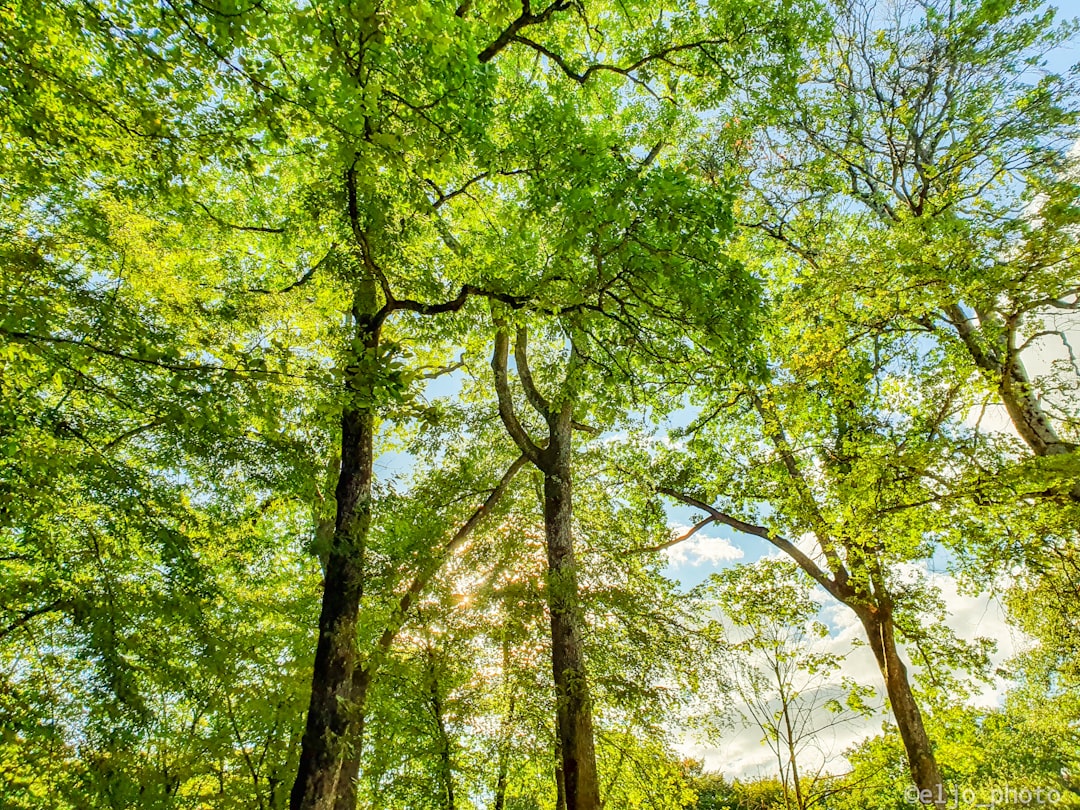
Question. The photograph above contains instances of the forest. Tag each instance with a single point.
(539, 404)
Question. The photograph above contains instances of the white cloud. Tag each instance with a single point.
(701, 548)
(741, 754)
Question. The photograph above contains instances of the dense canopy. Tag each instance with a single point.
(388, 391)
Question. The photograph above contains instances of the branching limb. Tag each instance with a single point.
(521, 358)
(524, 20)
(837, 589)
(224, 224)
(300, 282)
(506, 402)
(674, 541)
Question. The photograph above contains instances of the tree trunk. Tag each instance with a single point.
(1026, 413)
(881, 633)
(573, 712)
(799, 802)
(560, 786)
(350, 767)
(331, 719)
(1002, 364)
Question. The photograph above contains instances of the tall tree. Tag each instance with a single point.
(837, 465)
(936, 138)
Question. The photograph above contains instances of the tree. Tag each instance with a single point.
(935, 139)
(781, 672)
(836, 451)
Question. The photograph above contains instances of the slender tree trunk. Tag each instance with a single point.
(331, 716)
(881, 633)
(573, 712)
(799, 803)
(573, 708)
(500, 777)
(504, 727)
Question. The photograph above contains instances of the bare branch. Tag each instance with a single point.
(674, 541)
(835, 588)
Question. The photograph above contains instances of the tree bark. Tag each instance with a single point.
(1003, 366)
(350, 767)
(331, 714)
(881, 633)
(576, 780)
(573, 709)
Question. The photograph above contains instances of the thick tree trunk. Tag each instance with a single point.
(331, 719)
(573, 712)
(881, 633)
(560, 786)
(350, 767)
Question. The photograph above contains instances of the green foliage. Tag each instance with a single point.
(226, 227)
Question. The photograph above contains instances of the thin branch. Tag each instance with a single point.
(674, 541)
(300, 282)
(27, 615)
(420, 581)
(583, 76)
(224, 224)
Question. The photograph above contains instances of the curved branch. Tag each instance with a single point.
(506, 402)
(525, 19)
(521, 358)
(626, 70)
(224, 224)
(835, 588)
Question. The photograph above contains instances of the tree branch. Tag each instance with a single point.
(224, 224)
(674, 541)
(506, 401)
(421, 580)
(784, 545)
(525, 19)
(521, 358)
(300, 282)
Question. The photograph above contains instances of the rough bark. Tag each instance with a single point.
(881, 633)
(576, 778)
(350, 766)
(331, 715)
(573, 709)
(1003, 366)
